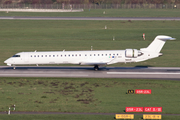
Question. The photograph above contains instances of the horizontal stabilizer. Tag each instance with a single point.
(166, 38)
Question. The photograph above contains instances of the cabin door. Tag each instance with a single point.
(26, 57)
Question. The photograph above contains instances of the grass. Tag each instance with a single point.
(86, 95)
(56, 117)
(74, 117)
(26, 35)
(109, 13)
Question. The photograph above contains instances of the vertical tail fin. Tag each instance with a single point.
(158, 43)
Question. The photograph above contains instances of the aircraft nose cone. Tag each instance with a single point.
(8, 62)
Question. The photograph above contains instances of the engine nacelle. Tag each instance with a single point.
(131, 53)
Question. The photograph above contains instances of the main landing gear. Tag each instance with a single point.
(96, 67)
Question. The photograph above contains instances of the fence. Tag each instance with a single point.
(89, 6)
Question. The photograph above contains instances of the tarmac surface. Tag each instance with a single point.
(91, 18)
(172, 73)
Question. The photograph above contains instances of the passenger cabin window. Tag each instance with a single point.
(16, 56)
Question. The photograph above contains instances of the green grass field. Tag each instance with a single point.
(73, 117)
(26, 35)
(87, 95)
(108, 13)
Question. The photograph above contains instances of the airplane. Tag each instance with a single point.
(92, 58)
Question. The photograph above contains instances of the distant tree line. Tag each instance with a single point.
(90, 1)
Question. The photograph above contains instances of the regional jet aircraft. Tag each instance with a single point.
(93, 58)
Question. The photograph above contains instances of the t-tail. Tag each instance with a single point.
(157, 44)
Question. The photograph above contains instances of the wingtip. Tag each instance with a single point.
(173, 39)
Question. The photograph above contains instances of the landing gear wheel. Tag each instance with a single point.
(96, 67)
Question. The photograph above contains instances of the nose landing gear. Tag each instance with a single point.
(14, 67)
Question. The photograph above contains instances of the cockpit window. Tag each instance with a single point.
(16, 56)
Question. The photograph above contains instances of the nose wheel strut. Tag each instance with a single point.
(14, 67)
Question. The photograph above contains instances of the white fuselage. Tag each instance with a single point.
(76, 57)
